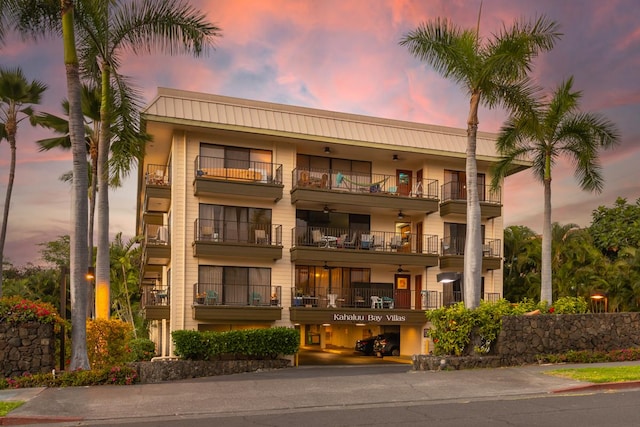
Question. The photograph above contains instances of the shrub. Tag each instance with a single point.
(115, 375)
(19, 310)
(570, 305)
(249, 343)
(107, 342)
(451, 331)
(141, 349)
(190, 344)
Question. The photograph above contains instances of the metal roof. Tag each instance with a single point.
(222, 112)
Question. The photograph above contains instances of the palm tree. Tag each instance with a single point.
(55, 17)
(109, 28)
(121, 154)
(125, 260)
(78, 249)
(16, 93)
(546, 133)
(520, 250)
(493, 72)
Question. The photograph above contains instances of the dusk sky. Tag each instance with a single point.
(344, 55)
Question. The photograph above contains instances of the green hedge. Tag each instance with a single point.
(249, 343)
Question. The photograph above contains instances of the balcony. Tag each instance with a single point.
(387, 305)
(216, 176)
(452, 253)
(454, 200)
(155, 302)
(157, 195)
(157, 245)
(237, 302)
(432, 300)
(217, 238)
(326, 186)
(326, 244)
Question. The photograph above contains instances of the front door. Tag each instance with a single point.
(402, 285)
(403, 178)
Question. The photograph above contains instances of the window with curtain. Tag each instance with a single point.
(213, 155)
(235, 223)
(237, 285)
(454, 237)
(456, 185)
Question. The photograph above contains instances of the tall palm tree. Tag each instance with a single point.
(544, 134)
(111, 28)
(493, 72)
(79, 257)
(121, 154)
(16, 95)
(57, 17)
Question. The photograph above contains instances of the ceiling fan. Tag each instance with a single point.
(402, 270)
(327, 209)
(327, 266)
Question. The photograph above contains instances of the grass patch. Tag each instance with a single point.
(6, 407)
(600, 375)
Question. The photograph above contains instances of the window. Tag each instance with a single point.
(454, 238)
(455, 185)
(234, 223)
(237, 285)
(315, 280)
(221, 156)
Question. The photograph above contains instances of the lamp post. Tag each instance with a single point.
(598, 299)
(91, 275)
(64, 271)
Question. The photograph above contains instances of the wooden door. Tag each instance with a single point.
(417, 293)
(402, 285)
(403, 178)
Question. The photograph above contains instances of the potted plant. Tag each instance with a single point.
(200, 297)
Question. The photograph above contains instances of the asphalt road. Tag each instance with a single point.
(388, 394)
(618, 409)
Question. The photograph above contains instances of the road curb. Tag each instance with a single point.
(600, 386)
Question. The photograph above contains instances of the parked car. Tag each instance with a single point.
(365, 345)
(387, 345)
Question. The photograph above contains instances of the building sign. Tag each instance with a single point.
(368, 318)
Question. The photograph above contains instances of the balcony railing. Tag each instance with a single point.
(156, 234)
(455, 246)
(238, 170)
(340, 238)
(236, 295)
(432, 300)
(353, 182)
(456, 190)
(157, 175)
(352, 298)
(155, 296)
(220, 231)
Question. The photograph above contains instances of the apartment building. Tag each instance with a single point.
(258, 214)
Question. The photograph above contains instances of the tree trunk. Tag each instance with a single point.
(473, 244)
(546, 280)
(103, 266)
(79, 213)
(11, 128)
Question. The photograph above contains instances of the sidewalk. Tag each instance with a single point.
(285, 390)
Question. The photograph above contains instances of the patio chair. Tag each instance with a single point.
(366, 241)
(396, 242)
(317, 238)
(376, 301)
(341, 240)
(261, 237)
(351, 244)
(211, 297)
(256, 298)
